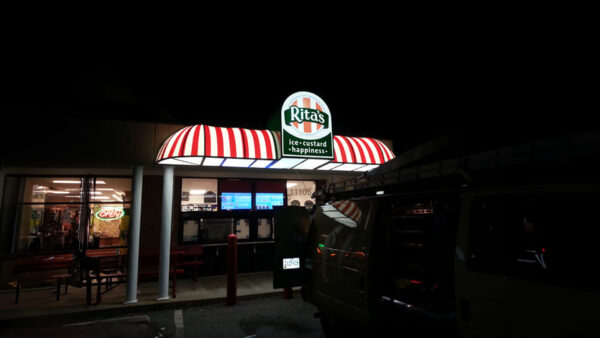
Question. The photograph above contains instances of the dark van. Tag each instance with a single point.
(377, 261)
(512, 251)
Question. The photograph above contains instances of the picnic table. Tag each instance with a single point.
(36, 268)
(103, 265)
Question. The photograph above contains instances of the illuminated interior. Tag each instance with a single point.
(51, 208)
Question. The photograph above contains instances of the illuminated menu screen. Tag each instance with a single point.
(236, 200)
(268, 200)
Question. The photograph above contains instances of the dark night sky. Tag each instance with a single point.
(389, 89)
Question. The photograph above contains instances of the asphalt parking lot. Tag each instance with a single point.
(268, 316)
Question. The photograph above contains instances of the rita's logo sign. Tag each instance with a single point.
(307, 120)
(306, 126)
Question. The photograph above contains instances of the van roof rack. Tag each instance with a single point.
(561, 150)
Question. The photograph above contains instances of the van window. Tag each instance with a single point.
(341, 239)
(551, 239)
(411, 239)
(421, 249)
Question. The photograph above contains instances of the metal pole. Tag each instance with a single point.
(133, 251)
(232, 269)
(165, 234)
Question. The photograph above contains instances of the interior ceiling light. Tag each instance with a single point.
(198, 192)
(311, 164)
(66, 182)
(287, 163)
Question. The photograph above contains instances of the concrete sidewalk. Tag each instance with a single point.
(41, 303)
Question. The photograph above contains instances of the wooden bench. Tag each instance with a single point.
(36, 268)
(191, 257)
(149, 266)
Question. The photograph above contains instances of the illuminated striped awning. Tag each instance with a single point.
(358, 154)
(249, 148)
(191, 144)
(362, 150)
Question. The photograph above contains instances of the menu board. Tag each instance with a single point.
(236, 200)
(268, 200)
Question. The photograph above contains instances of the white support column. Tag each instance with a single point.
(165, 234)
(133, 251)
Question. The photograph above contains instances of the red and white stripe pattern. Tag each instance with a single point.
(202, 140)
(349, 209)
(307, 127)
(207, 141)
(360, 150)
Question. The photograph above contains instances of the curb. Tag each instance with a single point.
(66, 317)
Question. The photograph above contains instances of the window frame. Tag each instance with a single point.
(84, 206)
(508, 265)
(253, 214)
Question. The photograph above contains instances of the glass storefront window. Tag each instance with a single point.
(299, 193)
(50, 213)
(109, 189)
(52, 190)
(199, 194)
(265, 230)
(48, 227)
(109, 224)
(190, 230)
(245, 208)
(215, 230)
(242, 228)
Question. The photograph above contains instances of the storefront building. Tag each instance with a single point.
(72, 187)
